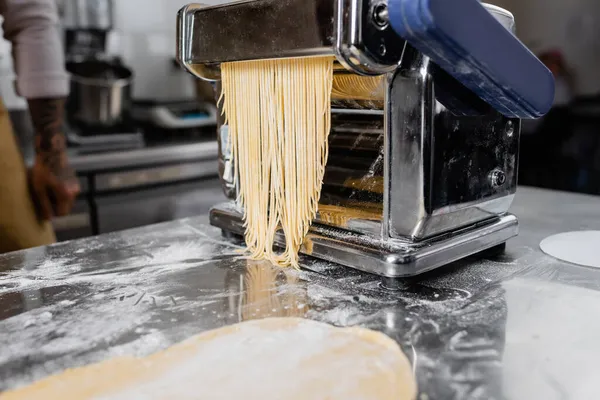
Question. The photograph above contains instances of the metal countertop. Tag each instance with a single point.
(169, 151)
(147, 156)
(518, 326)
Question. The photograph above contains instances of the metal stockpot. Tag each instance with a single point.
(87, 14)
(100, 92)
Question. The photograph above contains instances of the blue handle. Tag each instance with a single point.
(465, 40)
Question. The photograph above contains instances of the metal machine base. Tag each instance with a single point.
(392, 258)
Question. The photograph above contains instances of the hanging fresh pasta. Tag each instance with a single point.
(278, 140)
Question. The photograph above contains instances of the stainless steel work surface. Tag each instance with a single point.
(519, 326)
(85, 163)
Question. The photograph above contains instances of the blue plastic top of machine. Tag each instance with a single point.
(465, 40)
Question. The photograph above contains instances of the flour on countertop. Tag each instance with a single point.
(137, 294)
(101, 303)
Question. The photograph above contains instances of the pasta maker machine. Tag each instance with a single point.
(427, 102)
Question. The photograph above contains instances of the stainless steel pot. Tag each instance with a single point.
(87, 14)
(100, 92)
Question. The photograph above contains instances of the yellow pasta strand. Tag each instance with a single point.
(341, 216)
(279, 117)
(351, 86)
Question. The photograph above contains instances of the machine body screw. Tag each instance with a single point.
(497, 178)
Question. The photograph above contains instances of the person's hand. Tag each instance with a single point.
(54, 189)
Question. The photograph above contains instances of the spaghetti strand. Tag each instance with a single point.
(279, 117)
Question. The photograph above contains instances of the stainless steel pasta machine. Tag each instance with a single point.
(427, 102)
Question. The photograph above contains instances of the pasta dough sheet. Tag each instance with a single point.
(279, 358)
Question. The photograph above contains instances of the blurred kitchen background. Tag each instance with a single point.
(142, 133)
(562, 150)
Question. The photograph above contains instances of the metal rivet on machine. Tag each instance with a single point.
(381, 15)
(497, 178)
(382, 49)
(510, 129)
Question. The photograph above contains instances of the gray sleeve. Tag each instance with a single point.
(32, 28)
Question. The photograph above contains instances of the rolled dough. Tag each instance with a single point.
(581, 248)
(278, 358)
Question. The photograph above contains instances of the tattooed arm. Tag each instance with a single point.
(47, 116)
(53, 181)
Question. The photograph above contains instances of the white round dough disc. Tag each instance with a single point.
(580, 248)
(278, 358)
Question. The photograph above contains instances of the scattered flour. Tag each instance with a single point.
(106, 296)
